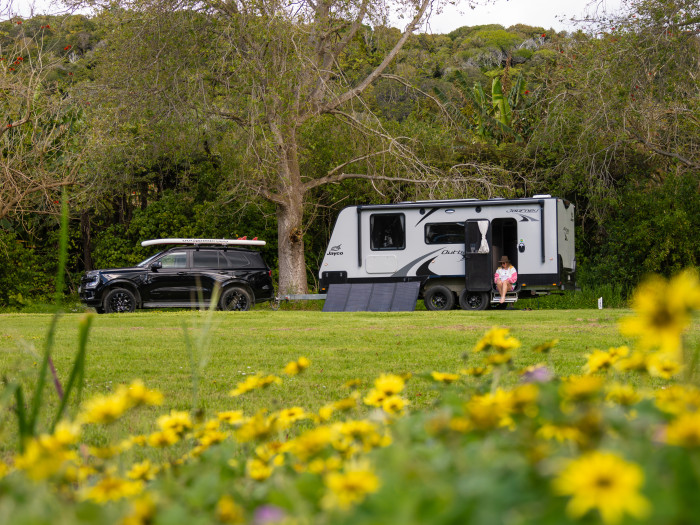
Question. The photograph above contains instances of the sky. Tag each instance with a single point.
(548, 14)
(555, 14)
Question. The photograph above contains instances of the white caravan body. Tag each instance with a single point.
(455, 245)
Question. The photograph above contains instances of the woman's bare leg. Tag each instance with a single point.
(502, 287)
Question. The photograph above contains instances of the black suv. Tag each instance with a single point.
(182, 277)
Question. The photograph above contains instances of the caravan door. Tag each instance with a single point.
(477, 255)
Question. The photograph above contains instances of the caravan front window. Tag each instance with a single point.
(387, 231)
(444, 233)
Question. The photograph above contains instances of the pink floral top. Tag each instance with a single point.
(506, 274)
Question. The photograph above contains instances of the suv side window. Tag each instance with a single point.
(234, 260)
(205, 259)
(174, 260)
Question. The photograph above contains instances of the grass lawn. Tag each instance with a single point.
(341, 346)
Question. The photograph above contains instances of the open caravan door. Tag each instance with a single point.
(478, 262)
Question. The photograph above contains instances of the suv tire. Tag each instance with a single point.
(119, 301)
(236, 298)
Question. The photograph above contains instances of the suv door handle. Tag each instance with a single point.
(181, 273)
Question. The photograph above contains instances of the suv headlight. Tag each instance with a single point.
(93, 281)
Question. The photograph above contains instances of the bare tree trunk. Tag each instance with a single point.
(290, 213)
(292, 266)
(86, 239)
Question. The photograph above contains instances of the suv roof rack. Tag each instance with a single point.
(221, 242)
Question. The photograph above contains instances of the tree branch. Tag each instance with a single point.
(354, 92)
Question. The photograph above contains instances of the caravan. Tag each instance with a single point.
(452, 248)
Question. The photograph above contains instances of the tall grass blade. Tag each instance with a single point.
(62, 258)
(77, 373)
(21, 417)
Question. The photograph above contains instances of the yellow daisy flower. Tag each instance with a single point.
(605, 482)
(663, 311)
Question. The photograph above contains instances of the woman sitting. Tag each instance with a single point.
(505, 277)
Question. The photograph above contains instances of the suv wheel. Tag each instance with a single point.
(236, 298)
(119, 300)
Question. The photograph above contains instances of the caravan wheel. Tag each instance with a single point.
(439, 298)
(474, 300)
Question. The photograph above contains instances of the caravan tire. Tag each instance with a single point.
(439, 298)
(474, 300)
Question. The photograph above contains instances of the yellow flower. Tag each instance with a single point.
(295, 367)
(598, 360)
(138, 394)
(678, 399)
(624, 395)
(350, 487)
(497, 338)
(228, 511)
(389, 384)
(394, 405)
(490, 410)
(635, 362)
(602, 481)
(143, 510)
(443, 377)
(663, 311)
(144, 471)
(580, 388)
(177, 421)
(523, 399)
(375, 398)
(618, 352)
(500, 358)
(258, 469)
(66, 433)
(684, 431)
(43, 457)
(326, 412)
(254, 382)
(285, 418)
(232, 417)
(257, 427)
(312, 442)
(164, 438)
(353, 384)
(112, 488)
(475, 371)
(104, 409)
(545, 347)
(560, 433)
(663, 365)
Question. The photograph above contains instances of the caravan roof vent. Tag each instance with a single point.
(543, 196)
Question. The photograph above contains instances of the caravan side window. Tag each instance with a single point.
(387, 231)
(444, 233)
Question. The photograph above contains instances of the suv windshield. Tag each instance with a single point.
(146, 262)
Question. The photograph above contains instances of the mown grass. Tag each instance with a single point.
(341, 346)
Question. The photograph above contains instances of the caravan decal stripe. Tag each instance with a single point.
(403, 272)
(427, 215)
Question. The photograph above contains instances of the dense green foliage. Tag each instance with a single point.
(607, 118)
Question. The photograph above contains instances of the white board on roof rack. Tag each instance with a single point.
(220, 242)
